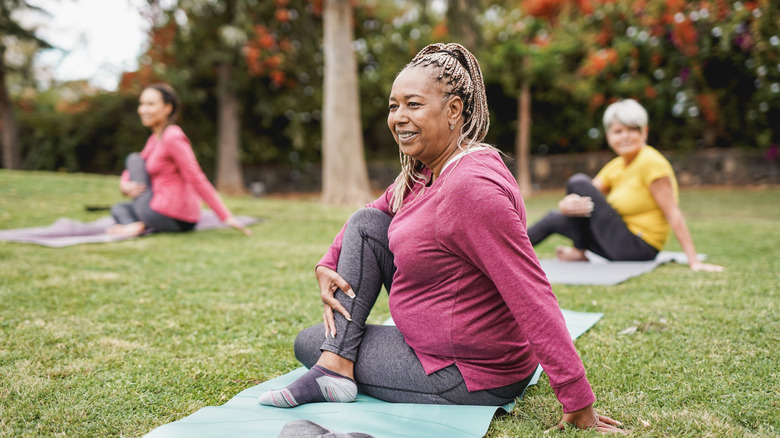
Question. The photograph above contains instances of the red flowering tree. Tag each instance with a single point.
(277, 69)
(704, 69)
(707, 71)
(239, 63)
(526, 44)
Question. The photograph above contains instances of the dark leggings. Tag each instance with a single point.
(386, 367)
(139, 209)
(603, 233)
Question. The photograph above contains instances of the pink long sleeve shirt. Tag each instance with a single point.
(469, 289)
(178, 182)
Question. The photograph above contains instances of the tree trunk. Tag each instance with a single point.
(462, 20)
(523, 140)
(12, 157)
(344, 171)
(230, 179)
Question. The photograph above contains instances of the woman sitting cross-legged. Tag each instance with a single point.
(474, 312)
(626, 211)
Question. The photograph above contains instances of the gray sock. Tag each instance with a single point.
(317, 385)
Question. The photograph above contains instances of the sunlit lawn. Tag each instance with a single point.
(115, 339)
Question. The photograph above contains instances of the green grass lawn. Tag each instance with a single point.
(116, 339)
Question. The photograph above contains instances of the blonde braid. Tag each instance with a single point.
(459, 71)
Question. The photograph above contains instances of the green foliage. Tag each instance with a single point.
(91, 134)
(11, 27)
(707, 71)
(116, 339)
(387, 37)
(280, 71)
(274, 72)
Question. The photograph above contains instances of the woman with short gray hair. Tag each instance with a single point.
(626, 211)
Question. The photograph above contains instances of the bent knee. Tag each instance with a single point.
(578, 183)
(368, 214)
(368, 218)
(133, 158)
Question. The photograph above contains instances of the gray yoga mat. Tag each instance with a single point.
(67, 232)
(599, 271)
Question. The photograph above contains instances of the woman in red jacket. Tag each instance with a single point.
(164, 180)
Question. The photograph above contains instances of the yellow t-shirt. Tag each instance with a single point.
(628, 192)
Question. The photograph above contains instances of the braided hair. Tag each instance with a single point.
(459, 72)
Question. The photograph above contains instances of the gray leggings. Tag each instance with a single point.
(386, 367)
(604, 232)
(139, 209)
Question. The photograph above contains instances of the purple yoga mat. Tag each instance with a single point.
(67, 232)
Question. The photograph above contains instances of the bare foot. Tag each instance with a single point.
(128, 230)
(569, 254)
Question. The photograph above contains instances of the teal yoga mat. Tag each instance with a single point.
(242, 416)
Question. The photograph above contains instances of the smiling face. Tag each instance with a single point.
(420, 115)
(154, 112)
(625, 140)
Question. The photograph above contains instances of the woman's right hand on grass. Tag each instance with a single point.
(587, 419)
(330, 281)
(696, 265)
(235, 224)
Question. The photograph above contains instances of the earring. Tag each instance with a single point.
(452, 127)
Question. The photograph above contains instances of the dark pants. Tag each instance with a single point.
(139, 209)
(603, 233)
(386, 367)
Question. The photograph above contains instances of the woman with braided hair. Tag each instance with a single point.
(473, 310)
